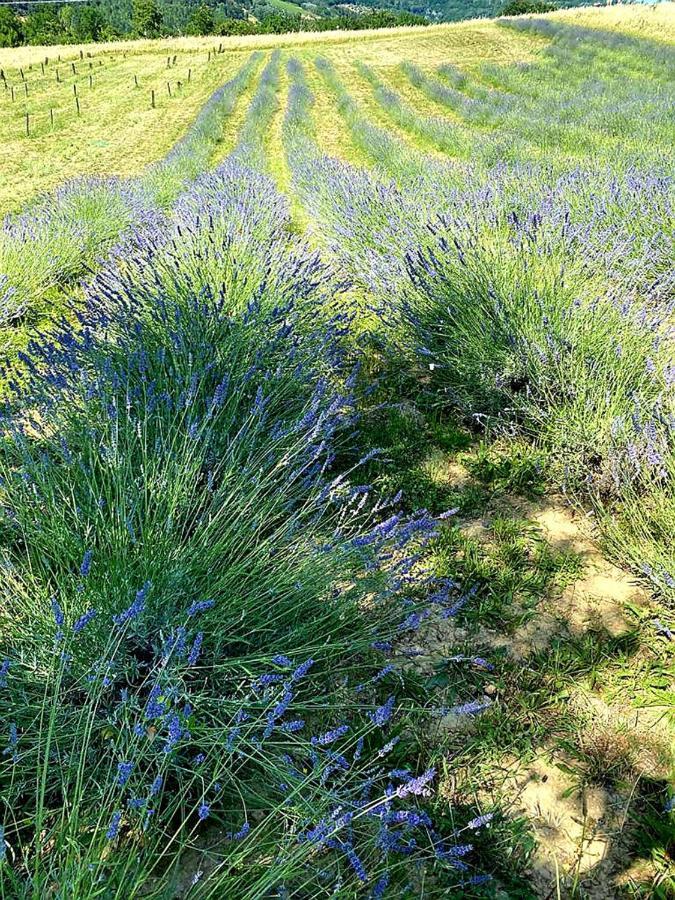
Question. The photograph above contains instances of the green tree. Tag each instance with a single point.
(146, 18)
(43, 26)
(201, 21)
(10, 28)
(523, 7)
(88, 24)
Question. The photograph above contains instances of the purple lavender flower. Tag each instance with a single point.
(281, 660)
(57, 612)
(449, 513)
(330, 736)
(155, 707)
(480, 821)
(479, 661)
(4, 669)
(417, 786)
(195, 650)
(239, 835)
(114, 827)
(200, 606)
(204, 811)
(175, 643)
(302, 670)
(381, 886)
(220, 392)
(383, 713)
(83, 621)
(388, 747)
(292, 727)
(469, 709)
(175, 732)
(387, 670)
(268, 679)
(124, 770)
(356, 863)
(156, 786)
(663, 629)
(136, 607)
(86, 563)
(410, 817)
(10, 750)
(452, 853)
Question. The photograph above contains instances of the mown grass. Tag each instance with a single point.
(117, 131)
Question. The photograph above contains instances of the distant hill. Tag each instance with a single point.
(455, 10)
(65, 23)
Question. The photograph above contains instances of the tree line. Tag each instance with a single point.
(113, 19)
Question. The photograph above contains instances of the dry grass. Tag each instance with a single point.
(656, 22)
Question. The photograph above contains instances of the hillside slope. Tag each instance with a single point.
(117, 131)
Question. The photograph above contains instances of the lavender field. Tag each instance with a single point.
(337, 470)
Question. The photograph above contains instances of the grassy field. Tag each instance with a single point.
(337, 463)
(118, 132)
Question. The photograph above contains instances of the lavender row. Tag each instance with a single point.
(173, 516)
(527, 296)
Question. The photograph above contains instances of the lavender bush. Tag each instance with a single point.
(172, 519)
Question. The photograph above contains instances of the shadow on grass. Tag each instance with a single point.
(559, 695)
